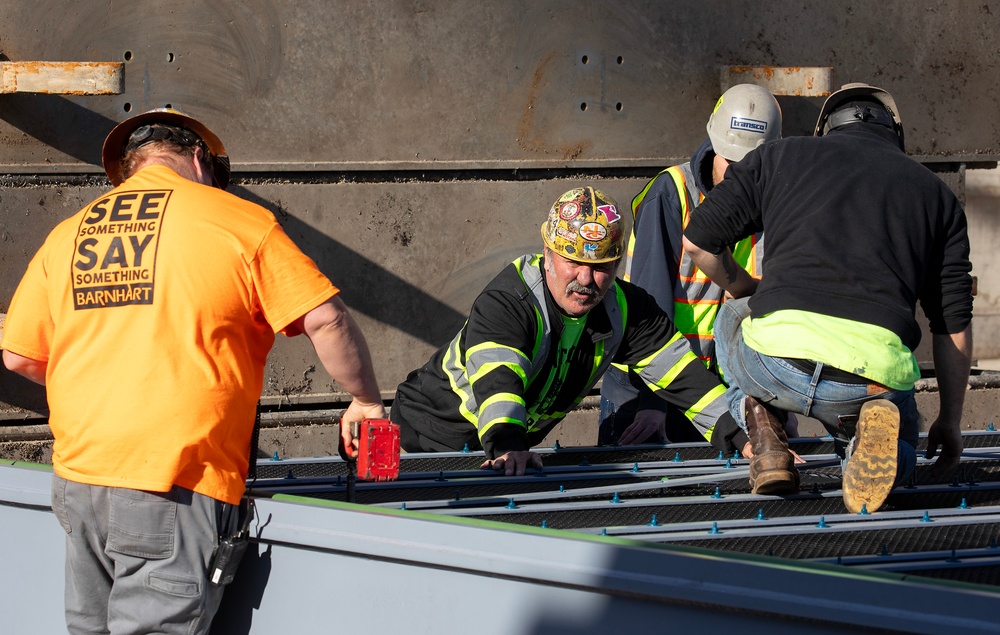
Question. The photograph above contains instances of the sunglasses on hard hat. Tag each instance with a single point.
(163, 132)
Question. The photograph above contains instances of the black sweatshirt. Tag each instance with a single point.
(855, 229)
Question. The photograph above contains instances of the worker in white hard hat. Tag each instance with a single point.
(538, 339)
(148, 316)
(857, 234)
(745, 117)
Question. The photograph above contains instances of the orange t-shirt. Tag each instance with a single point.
(155, 307)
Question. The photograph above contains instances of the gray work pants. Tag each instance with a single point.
(137, 562)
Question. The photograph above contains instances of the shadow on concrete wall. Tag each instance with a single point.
(58, 123)
(366, 286)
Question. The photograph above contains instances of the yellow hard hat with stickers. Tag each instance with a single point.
(584, 225)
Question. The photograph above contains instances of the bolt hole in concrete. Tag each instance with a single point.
(618, 106)
(585, 59)
(170, 57)
(167, 106)
(620, 60)
(127, 107)
(127, 56)
(583, 106)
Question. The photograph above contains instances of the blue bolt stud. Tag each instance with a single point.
(721, 457)
(736, 455)
(714, 529)
(717, 493)
(653, 522)
(403, 507)
(815, 488)
(440, 476)
(991, 428)
(954, 556)
(555, 446)
(291, 474)
(926, 518)
(993, 542)
(465, 448)
(677, 456)
(585, 462)
(822, 523)
(760, 515)
(545, 525)
(963, 505)
(635, 467)
(885, 550)
(511, 504)
(864, 509)
(729, 464)
(275, 457)
(562, 488)
(604, 531)
(615, 499)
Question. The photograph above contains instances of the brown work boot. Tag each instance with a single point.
(772, 468)
(870, 471)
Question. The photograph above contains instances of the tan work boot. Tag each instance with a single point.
(772, 468)
(870, 472)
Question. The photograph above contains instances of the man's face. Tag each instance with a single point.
(577, 287)
(719, 167)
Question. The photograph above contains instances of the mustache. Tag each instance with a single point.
(574, 286)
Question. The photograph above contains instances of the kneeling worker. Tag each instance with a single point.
(538, 339)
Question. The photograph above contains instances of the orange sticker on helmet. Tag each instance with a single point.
(593, 231)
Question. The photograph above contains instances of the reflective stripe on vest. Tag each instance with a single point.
(485, 357)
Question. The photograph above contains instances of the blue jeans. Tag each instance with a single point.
(137, 562)
(778, 384)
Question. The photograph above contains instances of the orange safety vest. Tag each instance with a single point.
(696, 297)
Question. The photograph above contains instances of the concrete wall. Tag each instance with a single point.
(983, 211)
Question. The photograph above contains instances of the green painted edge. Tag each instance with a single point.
(768, 561)
(47, 467)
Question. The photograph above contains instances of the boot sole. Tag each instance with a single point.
(870, 472)
(776, 482)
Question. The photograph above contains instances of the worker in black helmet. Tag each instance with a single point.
(857, 234)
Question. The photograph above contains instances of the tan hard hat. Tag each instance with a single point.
(118, 139)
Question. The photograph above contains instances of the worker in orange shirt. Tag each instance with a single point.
(148, 316)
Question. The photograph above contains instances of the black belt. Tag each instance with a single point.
(828, 373)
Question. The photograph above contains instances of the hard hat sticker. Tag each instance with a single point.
(609, 212)
(569, 211)
(751, 125)
(566, 234)
(593, 231)
(718, 104)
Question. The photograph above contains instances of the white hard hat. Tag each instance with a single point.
(746, 116)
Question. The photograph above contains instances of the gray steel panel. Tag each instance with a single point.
(316, 568)
(316, 85)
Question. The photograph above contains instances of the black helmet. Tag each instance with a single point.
(859, 103)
